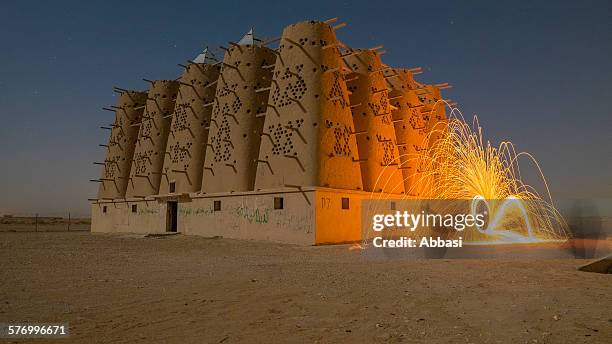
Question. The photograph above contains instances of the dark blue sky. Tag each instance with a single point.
(536, 73)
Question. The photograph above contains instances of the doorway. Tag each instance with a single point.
(172, 217)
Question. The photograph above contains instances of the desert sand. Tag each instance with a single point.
(181, 289)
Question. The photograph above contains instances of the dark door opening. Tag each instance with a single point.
(172, 217)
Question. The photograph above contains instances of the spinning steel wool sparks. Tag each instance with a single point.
(460, 165)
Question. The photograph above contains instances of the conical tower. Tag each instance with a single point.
(436, 107)
(309, 134)
(376, 141)
(419, 119)
(435, 112)
(148, 159)
(120, 148)
(186, 147)
(238, 117)
(409, 122)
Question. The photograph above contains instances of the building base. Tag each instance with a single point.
(306, 216)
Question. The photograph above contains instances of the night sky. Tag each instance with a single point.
(536, 73)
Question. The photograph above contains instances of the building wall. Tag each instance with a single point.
(145, 174)
(121, 144)
(237, 119)
(308, 133)
(316, 216)
(337, 222)
(119, 217)
(186, 146)
(251, 216)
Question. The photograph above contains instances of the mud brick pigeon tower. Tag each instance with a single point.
(120, 148)
(186, 147)
(238, 117)
(376, 141)
(436, 108)
(308, 137)
(147, 163)
(409, 122)
(434, 119)
(276, 144)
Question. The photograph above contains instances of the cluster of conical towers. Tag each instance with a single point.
(312, 112)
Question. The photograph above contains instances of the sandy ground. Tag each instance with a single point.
(130, 289)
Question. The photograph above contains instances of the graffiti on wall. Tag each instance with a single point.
(298, 223)
(196, 211)
(253, 215)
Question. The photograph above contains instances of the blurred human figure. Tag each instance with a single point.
(585, 225)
